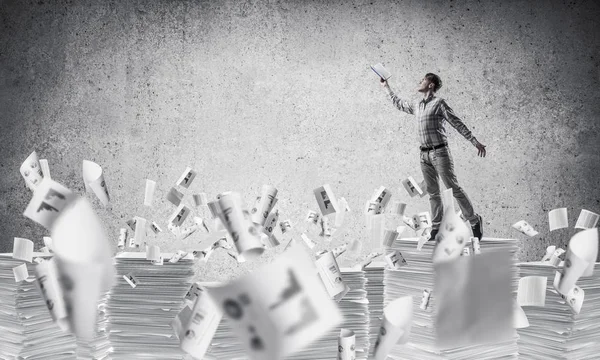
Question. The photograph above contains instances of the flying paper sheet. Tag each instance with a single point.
(382, 197)
(122, 238)
(47, 277)
(376, 229)
(395, 260)
(330, 274)
(587, 220)
(412, 187)
(48, 243)
(245, 236)
(200, 199)
(140, 231)
(45, 168)
(131, 280)
(525, 228)
(84, 261)
(425, 299)
(153, 253)
(93, 179)
(174, 196)
(31, 171)
(422, 220)
(49, 200)
(520, 320)
(22, 249)
(346, 345)
(558, 219)
(271, 223)
(149, 192)
(279, 308)
(389, 236)
(200, 328)
(185, 180)
(179, 215)
(395, 326)
(341, 215)
(473, 299)
(532, 291)
(579, 260)
(20, 272)
(398, 208)
(453, 233)
(574, 298)
(268, 199)
(177, 256)
(285, 226)
(381, 71)
(326, 200)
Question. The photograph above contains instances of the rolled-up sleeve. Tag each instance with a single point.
(401, 104)
(456, 122)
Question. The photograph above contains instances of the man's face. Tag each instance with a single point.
(424, 85)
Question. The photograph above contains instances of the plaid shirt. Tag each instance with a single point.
(431, 113)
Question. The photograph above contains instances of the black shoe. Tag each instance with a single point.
(433, 234)
(478, 228)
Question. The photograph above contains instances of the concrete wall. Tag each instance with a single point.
(281, 92)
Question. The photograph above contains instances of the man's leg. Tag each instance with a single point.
(430, 176)
(442, 160)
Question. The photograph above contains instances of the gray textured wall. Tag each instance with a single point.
(281, 92)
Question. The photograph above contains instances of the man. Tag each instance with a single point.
(436, 160)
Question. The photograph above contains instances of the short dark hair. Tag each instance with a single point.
(437, 82)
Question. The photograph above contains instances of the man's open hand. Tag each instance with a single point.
(480, 149)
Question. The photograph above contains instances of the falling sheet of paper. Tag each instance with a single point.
(93, 179)
(579, 260)
(382, 197)
(122, 238)
(587, 220)
(574, 298)
(422, 220)
(558, 219)
(326, 200)
(31, 171)
(279, 308)
(22, 249)
(398, 208)
(466, 313)
(202, 325)
(376, 229)
(45, 168)
(20, 272)
(174, 196)
(520, 320)
(200, 199)
(412, 187)
(330, 274)
(179, 215)
(524, 227)
(245, 236)
(395, 326)
(149, 192)
(49, 200)
(389, 236)
(346, 345)
(425, 299)
(185, 180)
(395, 260)
(48, 281)
(532, 291)
(140, 231)
(285, 226)
(268, 199)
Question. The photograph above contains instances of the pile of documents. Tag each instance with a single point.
(27, 330)
(374, 287)
(354, 307)
(555, 331)
(225, 344)
(417, 279)
(142, 304)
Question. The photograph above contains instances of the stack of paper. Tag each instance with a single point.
(27, 330)
(99, 347)
(417, 280)
(139, 318)
(555, 331)
(354, 307)
(374, 274)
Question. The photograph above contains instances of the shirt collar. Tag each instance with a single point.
(427, 99)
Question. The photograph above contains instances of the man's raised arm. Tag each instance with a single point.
(401, 104)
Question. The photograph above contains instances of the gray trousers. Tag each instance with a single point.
(438, 163)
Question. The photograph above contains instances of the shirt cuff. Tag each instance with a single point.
(474, 141)
(388, 89)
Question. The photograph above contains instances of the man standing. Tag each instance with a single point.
(436, 160)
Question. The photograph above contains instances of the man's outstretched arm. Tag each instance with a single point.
(401, 104)
(457, 123)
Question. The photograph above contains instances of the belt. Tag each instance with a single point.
(423, 148)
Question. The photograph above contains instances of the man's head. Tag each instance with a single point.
(430, 82)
